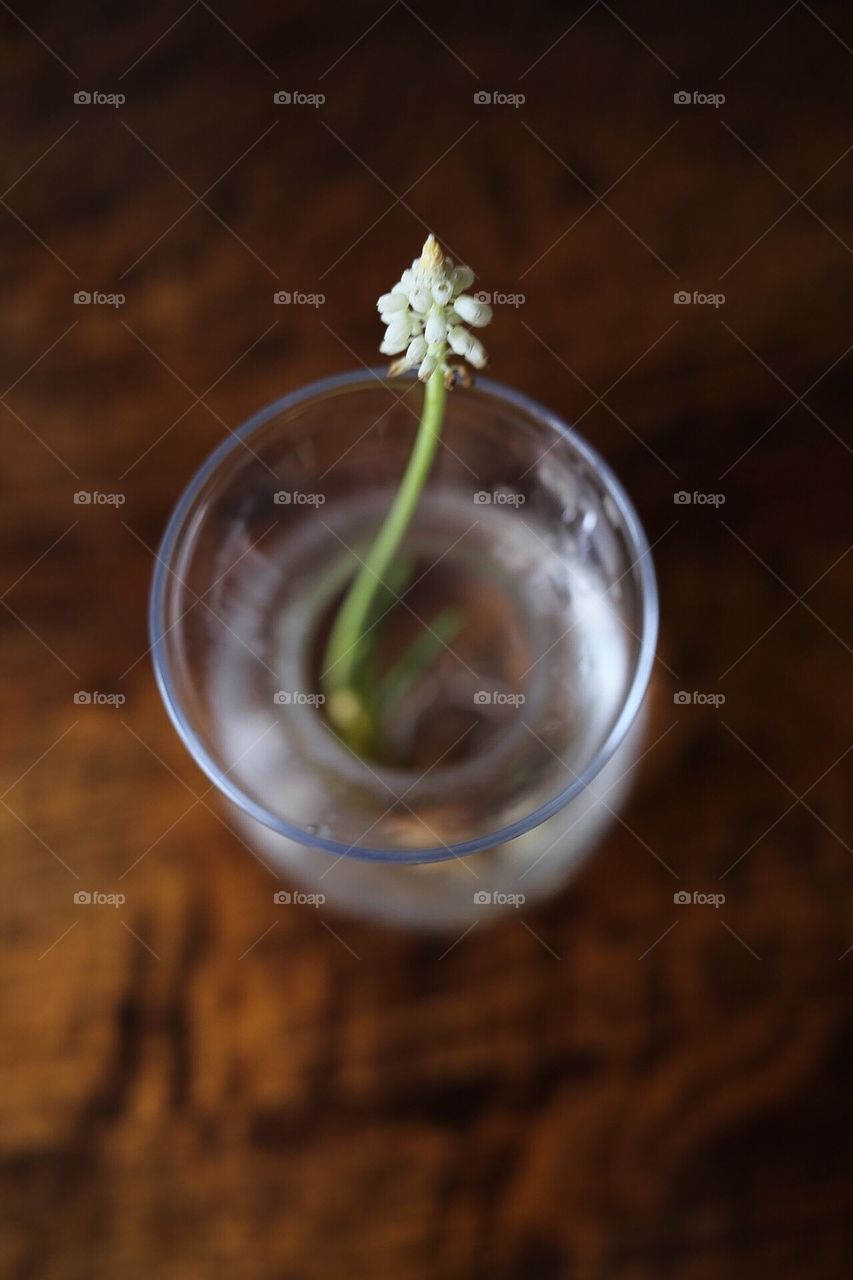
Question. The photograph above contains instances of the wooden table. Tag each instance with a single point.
(626, 1088)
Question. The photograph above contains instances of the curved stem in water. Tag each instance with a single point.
(345, 707)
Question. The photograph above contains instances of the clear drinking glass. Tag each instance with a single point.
(508, 751)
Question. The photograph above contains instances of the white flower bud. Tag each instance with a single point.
(436, 326)
(471, 309)
(459, 337)
(390, 348)
(465, 344)
(463, 278)
(387, 314)
(399, 330)
(476, 353)
(420, 298)
(428, 366)
(421, 313)
(390, 302)
(416, 351)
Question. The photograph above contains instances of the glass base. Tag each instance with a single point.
(478, 889)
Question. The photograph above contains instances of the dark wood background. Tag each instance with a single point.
(194, 1086)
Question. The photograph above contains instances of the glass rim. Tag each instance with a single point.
(631, 704)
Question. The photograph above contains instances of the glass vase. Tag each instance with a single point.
(526, 580)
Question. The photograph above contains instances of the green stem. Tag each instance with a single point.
(344, 652)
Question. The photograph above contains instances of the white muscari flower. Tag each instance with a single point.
(436, 326)
(421, 299)
(463, 278)
(399, 330)
(390, 302)
(428, 365)
(473, 310)
(458, 339)
(391, 348)
(465, 344)
(416, 351)
(476, 353)
(423, 311)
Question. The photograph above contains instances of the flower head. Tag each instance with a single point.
(427, 310)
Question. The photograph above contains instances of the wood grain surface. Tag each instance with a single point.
(611, 1087)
